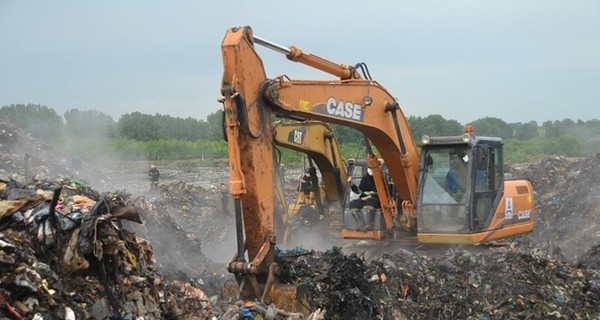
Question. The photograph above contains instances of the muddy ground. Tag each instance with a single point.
(172, 264)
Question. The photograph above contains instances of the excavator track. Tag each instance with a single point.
(408, 243)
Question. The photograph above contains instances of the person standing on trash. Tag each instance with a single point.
(154, 175)
(224, 191)
(367, 199)
(305, 185)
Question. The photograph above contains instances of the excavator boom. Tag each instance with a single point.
(316, 139)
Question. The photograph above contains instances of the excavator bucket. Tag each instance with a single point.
(292, 298)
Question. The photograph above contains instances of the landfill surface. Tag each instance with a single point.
(91, 241)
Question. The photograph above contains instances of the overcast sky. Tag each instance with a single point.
(512, 59)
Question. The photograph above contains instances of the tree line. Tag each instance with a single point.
(162, 136)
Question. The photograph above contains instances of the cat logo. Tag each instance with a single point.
(297, 136)
(341, 109)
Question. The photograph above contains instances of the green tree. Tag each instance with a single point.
(195, 129)
(434, 125)
(144, 127)
(492, 127)
(214, 126)
(41, 121)
(552, 128)
(567, 146)
(521, 151)
(528, 131)
(188, 129)
(591, 128)
(89, 124)
(138, 126)
(346, 134)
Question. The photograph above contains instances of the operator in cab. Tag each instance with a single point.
(456, 178)
(367, 199)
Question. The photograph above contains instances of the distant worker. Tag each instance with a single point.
(154, 174)
(224, 191)
(367, 199)
(305, 185)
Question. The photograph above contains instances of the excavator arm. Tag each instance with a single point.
(250, 99)
(359, 103)
(320, 212)
(316, 139)
(248, 131)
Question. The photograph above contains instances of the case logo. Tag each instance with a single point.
(341, 109)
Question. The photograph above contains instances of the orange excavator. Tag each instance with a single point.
(451, 191)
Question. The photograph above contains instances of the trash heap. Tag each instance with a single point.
(172, 219)
(68, 251)
(567, 193)
(552, 273)
(23, 158)
(337, 282)
(78, 261)
(501, 284)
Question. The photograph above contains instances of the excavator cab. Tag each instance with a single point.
(354, 226)
(463, 196)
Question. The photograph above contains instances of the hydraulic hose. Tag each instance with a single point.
(239, 229)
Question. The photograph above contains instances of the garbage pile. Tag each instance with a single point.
(501, 284)
(337, 282)
(69, 251)
(64, 254)
(550, 274)
(172, 221)
(567, 193)
(23, 158)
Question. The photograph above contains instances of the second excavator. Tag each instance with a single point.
(319, 201)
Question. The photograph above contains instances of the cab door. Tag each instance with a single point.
(486, 184)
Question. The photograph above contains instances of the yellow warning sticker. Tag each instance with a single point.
(304, 105)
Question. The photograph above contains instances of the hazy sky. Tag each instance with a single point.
(512, 59)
